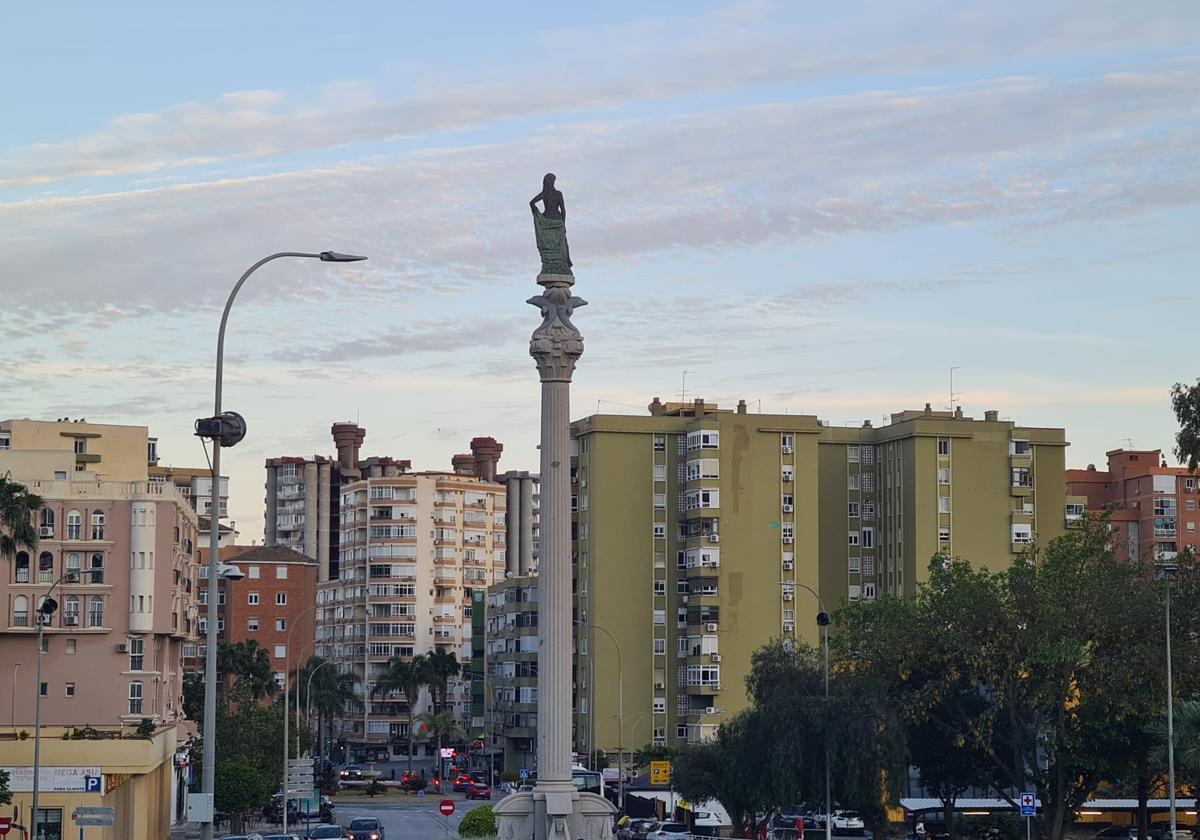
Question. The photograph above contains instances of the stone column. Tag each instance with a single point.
(310, 509)
(512, 523)
(272, 499)
(525, 561)
(324, 487)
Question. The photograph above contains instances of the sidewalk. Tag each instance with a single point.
(191, 831)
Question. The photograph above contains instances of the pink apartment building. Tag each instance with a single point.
(113, 650)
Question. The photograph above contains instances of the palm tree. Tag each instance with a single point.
(17, 507)
(332, 692)
(1187, 741)
(250, 666)
(443, 667)
(407, 676)
(443, 727)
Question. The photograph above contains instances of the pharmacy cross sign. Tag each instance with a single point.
(1028, 804)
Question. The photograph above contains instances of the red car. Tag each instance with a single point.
(478, 790)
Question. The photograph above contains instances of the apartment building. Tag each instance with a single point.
(1151, 506)
(273, 605)
(113, 650)
(195, 485)
(504, 671)
(524, 521)
(109, 452)
(414, 547)
(699, 533)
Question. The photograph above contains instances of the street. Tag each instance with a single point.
(413, 818)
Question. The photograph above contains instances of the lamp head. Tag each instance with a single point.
(822, 619)
(228, 571)
(334, 256)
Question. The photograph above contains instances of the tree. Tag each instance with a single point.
(478, 822)
(240, 787)
(730, 769)
(407, 677)
(193, 694)
(5, 793)
(249, 664)
(253, 733)
(332, 692)
(1185, 401)
(442, 666)
(442, 727)
(646, 753)
(17, 507)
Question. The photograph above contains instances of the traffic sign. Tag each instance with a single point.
(1028, 804)
(524, 773)
(5, 825)
(94, 816)
(92, 784)
(446, 806)
(660, 772)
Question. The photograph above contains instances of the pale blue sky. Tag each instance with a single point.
(822, 206)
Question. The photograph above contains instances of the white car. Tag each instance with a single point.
(668, 831)
(847, 821)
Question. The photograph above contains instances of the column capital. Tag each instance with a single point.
(556, 345)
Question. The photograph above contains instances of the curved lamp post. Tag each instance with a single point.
(218, 429)
(620, 710)
(45, 609)
(823, 623)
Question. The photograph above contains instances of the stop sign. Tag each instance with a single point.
(446, 806)
(5, 825)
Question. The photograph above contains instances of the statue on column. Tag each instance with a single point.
(550, 228)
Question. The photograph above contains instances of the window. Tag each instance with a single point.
(46, 567)
(73, 562)
(252, 625)
(22, 567)
(47, 519)
(97, 525)
(943, 447)
(1074, 512)
(660, 705)
(137, 654)
(660, 618)
(252, 599)
(854, 538)
(789, 473)
(943, 504)
(852, 481)
(660, 588)
(50, 823)
(1189, 485)
(1191, 504)
(660, 501)
(1164, 484)
(854, 510)
(5, 440)
(252, 572)
(681, 730)
(660, 647)
(660, 531)
(281, 572)
(80, 446)
(944, 535)
(69, 689)
(152, 451)
(868, 537)
(70, 646)
(943, 475)
(135, 698)
(788, 443)
(96, 611)
(868, 511)
(71, 611)
(281, 599)
(868, 591)
(1022, 534)
(1022, 477)
(20, 611)
(280, 651)
(788, 502)
(1019, 447)
(852, 454)
(280, 625)
(96, 565)
(74, 525)
(660, 443)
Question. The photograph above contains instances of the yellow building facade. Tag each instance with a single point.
(113, 453)
(698, 532)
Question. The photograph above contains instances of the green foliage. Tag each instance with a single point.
(249, 664)
(510, 776)
(375, 788)
(408, 677)
(254, 734)
(146, 728)
(650, 752)
(17, 508)
(416, 783)
(440, 667)
(1185, 402)
(193, 695)
(5, 793)
(478, 822)
(240, 787)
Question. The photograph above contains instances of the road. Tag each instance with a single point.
(413, 818)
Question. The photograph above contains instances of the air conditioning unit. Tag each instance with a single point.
(122, 648)
(711, 627)
(714, 537)
(714, 657)
(710, 710)
(788, 540)
(46, 531)
(787, 450)
(788, 565)
(787, 476)
(788, 508)
(789, 626)
(683, 599)
(788, 596)
(660, 686)
(71, 620)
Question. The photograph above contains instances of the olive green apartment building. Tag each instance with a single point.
(698, 532)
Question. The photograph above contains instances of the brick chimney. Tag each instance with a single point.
(487, 455)
(463, 463)
(347, 437)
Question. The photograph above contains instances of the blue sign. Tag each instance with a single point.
(524, 774)
(420, 793)
(1028, 804)
(91, 784)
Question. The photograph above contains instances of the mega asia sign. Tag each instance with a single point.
(56, 779)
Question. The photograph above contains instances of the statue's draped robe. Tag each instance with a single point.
(552, 243)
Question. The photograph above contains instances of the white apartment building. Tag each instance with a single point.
(413, 548)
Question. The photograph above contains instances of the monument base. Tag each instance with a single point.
(554, 816)
(556, 280)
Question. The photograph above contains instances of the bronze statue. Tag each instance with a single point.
(550, 228)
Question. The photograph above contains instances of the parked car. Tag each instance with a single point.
(478, 790)
(668, 831)
(635, 830)
(365, 828)
(1180, 834)
(326, 832)
(1117, 832)
(847, 822)
(288, 836)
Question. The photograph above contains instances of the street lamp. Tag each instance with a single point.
(620, 711)
(1167, 569)
(226, 430)
(45, 609)
(823, 623)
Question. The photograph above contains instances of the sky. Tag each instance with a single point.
(818, 207)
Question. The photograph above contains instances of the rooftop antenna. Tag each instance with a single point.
(1129, 443)
(953, 393)
(683, 386)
